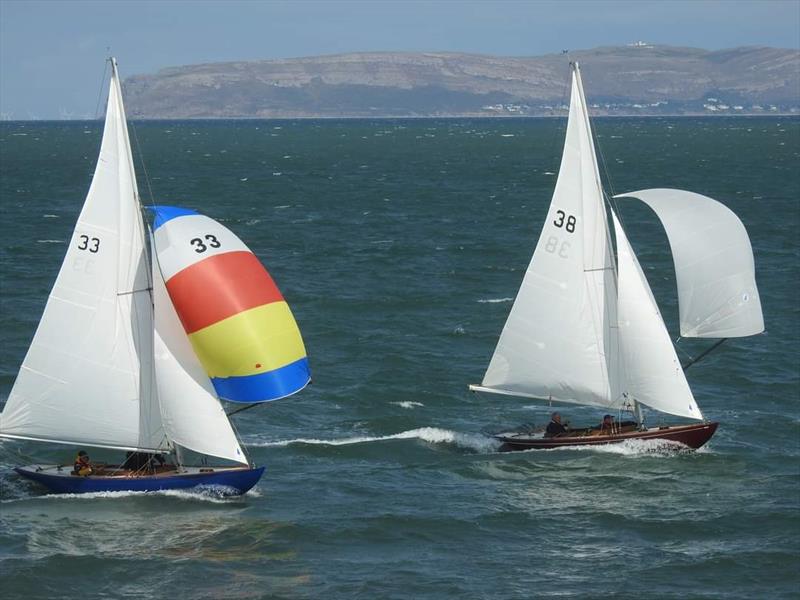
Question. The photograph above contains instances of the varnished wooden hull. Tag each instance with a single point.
(693, 436)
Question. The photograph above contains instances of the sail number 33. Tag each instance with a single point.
(201, 246)
(87, 243)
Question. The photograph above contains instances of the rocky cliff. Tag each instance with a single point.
(635, 79)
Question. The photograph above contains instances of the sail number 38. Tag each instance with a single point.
(564, 220)
(208, 241)
(553, 244)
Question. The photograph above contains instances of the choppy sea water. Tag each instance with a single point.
(400, 246)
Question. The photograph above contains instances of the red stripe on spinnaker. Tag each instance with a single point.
(219, 287)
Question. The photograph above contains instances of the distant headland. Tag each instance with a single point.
(638, 79)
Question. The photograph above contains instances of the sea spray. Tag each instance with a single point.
(433, 435)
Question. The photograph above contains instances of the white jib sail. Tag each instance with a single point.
(714, 267)
(193, 416)
(653, 373)
(86, 378)
(559, 340)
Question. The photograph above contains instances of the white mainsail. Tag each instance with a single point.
(559, 341)
(653, 373)
(714, 266)
(87, 377)
(193, 416)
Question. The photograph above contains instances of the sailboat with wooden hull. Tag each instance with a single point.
(585, 328)
(146, 331)
(691, 436)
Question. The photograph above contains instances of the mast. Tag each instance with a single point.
(150, 410)
(615, 361)
(637, 410)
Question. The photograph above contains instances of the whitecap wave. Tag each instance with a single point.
(633, 448)
(407, 404)
(432, 435)
(494, 300)
(214, 494)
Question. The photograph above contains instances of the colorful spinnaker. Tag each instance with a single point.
(237, 321)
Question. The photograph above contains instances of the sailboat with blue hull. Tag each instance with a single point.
(58, 479)
(147, 330)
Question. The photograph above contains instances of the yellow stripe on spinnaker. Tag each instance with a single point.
(253, 341)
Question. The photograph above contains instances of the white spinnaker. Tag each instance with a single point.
(714, 267)
(559, 340)
(653, 373)
(193, 416)
(86, 378)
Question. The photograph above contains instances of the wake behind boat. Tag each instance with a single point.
(585, 328)
(136, 348)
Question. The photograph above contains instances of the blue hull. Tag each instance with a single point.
(228, 482)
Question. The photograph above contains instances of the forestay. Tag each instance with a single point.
(714, 266)
(87, 376)
(559, 340)
(653, 373)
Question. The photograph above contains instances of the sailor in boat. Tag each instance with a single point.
(607, 426)
(143, 462)
(83, 465)
(555, 428)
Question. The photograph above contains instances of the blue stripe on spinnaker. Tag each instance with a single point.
(264, 386)
(167, 213)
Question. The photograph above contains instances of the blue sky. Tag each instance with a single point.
(52, 53)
